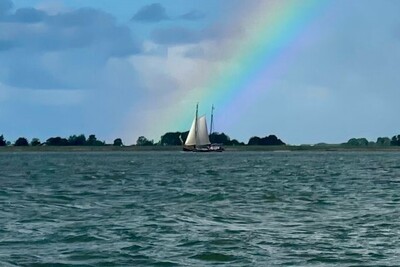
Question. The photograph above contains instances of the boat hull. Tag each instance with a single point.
(203, 149)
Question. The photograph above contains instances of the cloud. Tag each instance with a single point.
(176, 36)
(4, 92)
(80, 38)
(31, 76)
(52, 97)
(196, 52)
(82, 66)
(180, 35)
(5, 45)
(71, 64)
(52, 7)
(29, 15)
(169, 78)
(193, 15)
(75, 29)
(157, 13)
(151, 13)
(5, 6)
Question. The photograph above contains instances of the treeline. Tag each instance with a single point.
(73, 140)
(179, 138)
(380, 141)
(168, 139)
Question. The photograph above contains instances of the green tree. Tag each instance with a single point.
(220, 138)
(3, 142)
(79, 140)
(92, 141)
(118, 142)
(172, 139)
(352, 142)
(395, 140)
(235, 142)
(22, 141)
(383, 141)
(57, 141)
(143, 141)
(358, 142)
(254, 141)
(271, 140)
(35, 142)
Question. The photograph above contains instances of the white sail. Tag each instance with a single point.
(202, 133)
(191, 138)
(198, 139)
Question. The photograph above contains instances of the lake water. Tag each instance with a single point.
(189, 209)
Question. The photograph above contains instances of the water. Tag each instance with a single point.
(188, 209)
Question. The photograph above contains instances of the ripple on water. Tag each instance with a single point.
(214, 257)
(177, 209)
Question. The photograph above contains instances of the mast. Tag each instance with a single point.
(195, 126)
(212, 119)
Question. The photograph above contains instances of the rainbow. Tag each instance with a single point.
(273, 30)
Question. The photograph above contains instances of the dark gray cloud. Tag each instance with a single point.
(151, 13)
(29, 15)
(156, 13)
(83, 17)
(5, 6)
(76, 29)
(88, 36)
(193, 15)
(180, 35)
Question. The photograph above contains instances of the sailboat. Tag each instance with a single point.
(198, 139)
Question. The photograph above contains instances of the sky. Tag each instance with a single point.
(307, 71)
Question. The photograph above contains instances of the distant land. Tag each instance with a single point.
(172, 141)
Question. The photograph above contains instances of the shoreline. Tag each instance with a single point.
(288, 148)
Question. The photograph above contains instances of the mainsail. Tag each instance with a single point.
(202, 133)
(198, 134)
